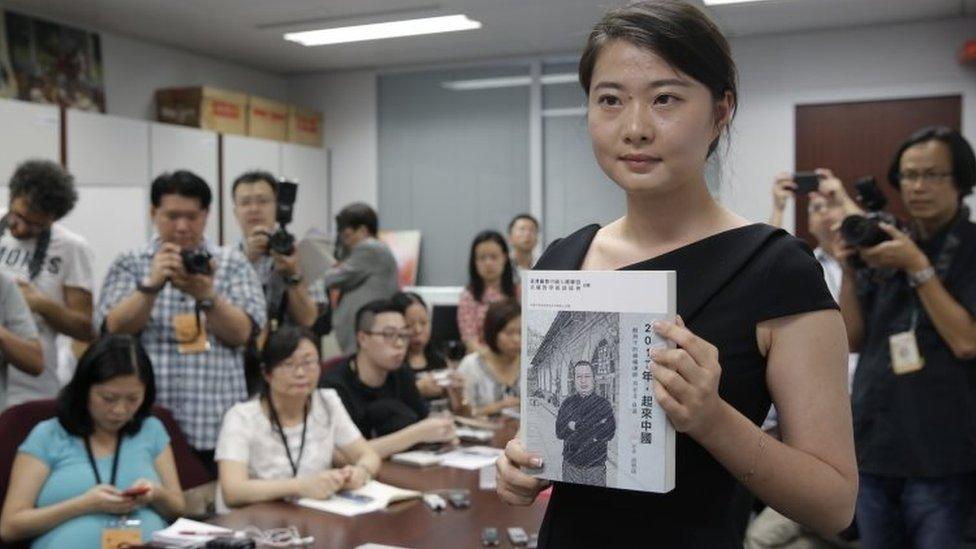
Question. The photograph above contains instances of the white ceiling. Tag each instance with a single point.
(249, 32)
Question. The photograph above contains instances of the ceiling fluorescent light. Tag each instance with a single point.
(724, 2)
(509, 82)
(378, 31)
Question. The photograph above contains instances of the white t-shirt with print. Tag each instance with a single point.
(247, 436)
(68, 262)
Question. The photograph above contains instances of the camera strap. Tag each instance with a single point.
(40, 247)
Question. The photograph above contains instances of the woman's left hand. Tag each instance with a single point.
(148, 489)
(356, 477)
(686, 379)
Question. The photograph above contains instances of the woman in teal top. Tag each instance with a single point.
(102, 458)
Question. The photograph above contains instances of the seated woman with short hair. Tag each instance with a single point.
(491, 375)
(102, 457)
(292, 440)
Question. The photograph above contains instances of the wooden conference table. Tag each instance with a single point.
(405, 524)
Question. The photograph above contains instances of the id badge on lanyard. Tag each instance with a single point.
(905, 357)
(122, 533)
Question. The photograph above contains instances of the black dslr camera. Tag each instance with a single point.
(281, 241)
(864, 231)
(196, 261)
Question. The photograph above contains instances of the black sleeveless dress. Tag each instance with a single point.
(727, 283)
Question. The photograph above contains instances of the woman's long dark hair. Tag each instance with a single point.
(110, 357)
(475, 283)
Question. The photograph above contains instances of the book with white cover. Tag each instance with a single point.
(188, 533)
(588, 405)
(375, 496)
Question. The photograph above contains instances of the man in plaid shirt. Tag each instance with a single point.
(194, 326)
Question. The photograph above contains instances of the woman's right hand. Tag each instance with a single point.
(322, 485)
(435, 429)
(514, 486)
(107, 499)
(783, 189)
(427, 385)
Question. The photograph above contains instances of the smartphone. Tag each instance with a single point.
(135, 491)
(517, 536)
(806, 182)
(489, 537)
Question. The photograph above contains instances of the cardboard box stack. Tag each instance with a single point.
(304, 126)
(203, 107)
(267, 119)
(237, 113)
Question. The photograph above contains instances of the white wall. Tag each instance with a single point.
(134, 70)
(775, 74)
(348, 104)
(778, 72)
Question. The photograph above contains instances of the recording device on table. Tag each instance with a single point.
(435, 502)
(489, 537)
(460, 499)
(517, 536)
(281, 241)
(864, 231)
(806, 182)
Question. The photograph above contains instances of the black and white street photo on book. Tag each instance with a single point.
(588, 406)
(572, 376)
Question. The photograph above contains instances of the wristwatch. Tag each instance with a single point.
(293, 280)
(918, 278)
(205, 304)
(143, 287)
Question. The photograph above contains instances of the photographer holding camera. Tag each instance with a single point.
(194, 306)
(290, 299)
(909, 309)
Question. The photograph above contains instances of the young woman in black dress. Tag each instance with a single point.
(758, 324)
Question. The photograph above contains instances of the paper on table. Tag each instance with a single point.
(418, 458)
(471, 458)
(172, 535)
(480, 435)
(375, 496)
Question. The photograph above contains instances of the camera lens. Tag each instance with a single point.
(862, 231)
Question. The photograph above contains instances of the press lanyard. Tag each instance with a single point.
(115, 459)
(284, 440)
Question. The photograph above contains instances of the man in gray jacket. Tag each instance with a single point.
(367, 270)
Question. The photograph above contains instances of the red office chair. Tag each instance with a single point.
(330, 364)
(18, 421)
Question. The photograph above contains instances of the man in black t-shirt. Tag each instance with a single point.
(913, 317)
(585, 424)
(378, 388)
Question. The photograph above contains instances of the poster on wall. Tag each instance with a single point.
(54, 64)
(405, 246)
(8, 86)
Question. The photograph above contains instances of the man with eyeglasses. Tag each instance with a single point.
(378, 388)
(912, 314)
(52, 266)
(195, 306)
(290, 298)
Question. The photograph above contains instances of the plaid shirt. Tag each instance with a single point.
(274, 285)
(197, 388)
